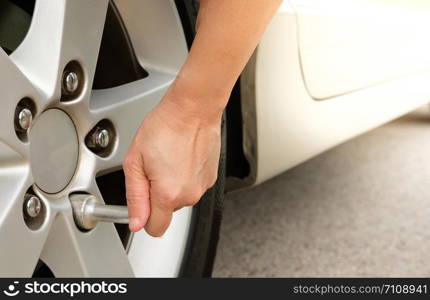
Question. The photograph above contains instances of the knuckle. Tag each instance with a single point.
(135, 203)
(132, 197)
(169, 196)
(212, 180)
(129, 164)
(133, 169)
(194, 197)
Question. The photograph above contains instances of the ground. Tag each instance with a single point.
(360, 209)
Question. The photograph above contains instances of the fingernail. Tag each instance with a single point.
(134, 223)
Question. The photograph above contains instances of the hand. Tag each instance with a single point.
(172, 161)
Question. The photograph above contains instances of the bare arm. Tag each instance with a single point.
(173, 159)
(227, 33)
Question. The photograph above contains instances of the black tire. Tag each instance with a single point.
(207, 215)
(203, 240)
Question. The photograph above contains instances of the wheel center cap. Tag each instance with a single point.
(53, 150)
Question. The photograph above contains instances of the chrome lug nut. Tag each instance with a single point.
(25, 117)
(71, 82)
(33, 206)
(101, 138)
(24, 113)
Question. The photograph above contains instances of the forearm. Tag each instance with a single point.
(174, 156)
(227, 33)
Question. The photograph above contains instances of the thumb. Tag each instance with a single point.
(159, 220)
(161, 215)
(137, 191)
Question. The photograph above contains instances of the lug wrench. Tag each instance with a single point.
(88, 211)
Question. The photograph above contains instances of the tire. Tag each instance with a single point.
(207, 214)
(206, 225)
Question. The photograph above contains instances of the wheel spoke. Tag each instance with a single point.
(61, 31)
(97, 253)
(126, 107)
(14, 86)
(20, 247)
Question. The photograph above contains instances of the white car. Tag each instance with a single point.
(78, 77)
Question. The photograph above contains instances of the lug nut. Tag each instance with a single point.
(25, 117)
(71, 82)
(100, 138)
(25, 111)
(33, 206)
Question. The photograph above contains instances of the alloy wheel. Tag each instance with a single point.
(57, 135)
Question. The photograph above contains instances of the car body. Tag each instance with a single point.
(327, 71)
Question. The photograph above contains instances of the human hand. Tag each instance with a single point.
(171, 163)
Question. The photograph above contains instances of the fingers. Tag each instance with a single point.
(167, 198)
(159, 220)
(137, 187)
(152, 207)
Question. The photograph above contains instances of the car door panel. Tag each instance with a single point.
(348, 45)
(284, 125)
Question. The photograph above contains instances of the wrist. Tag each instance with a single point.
(196, 103)
(189, 112)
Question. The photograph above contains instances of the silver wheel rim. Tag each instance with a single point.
(63, 31)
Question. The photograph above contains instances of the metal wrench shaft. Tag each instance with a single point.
(88, 211)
